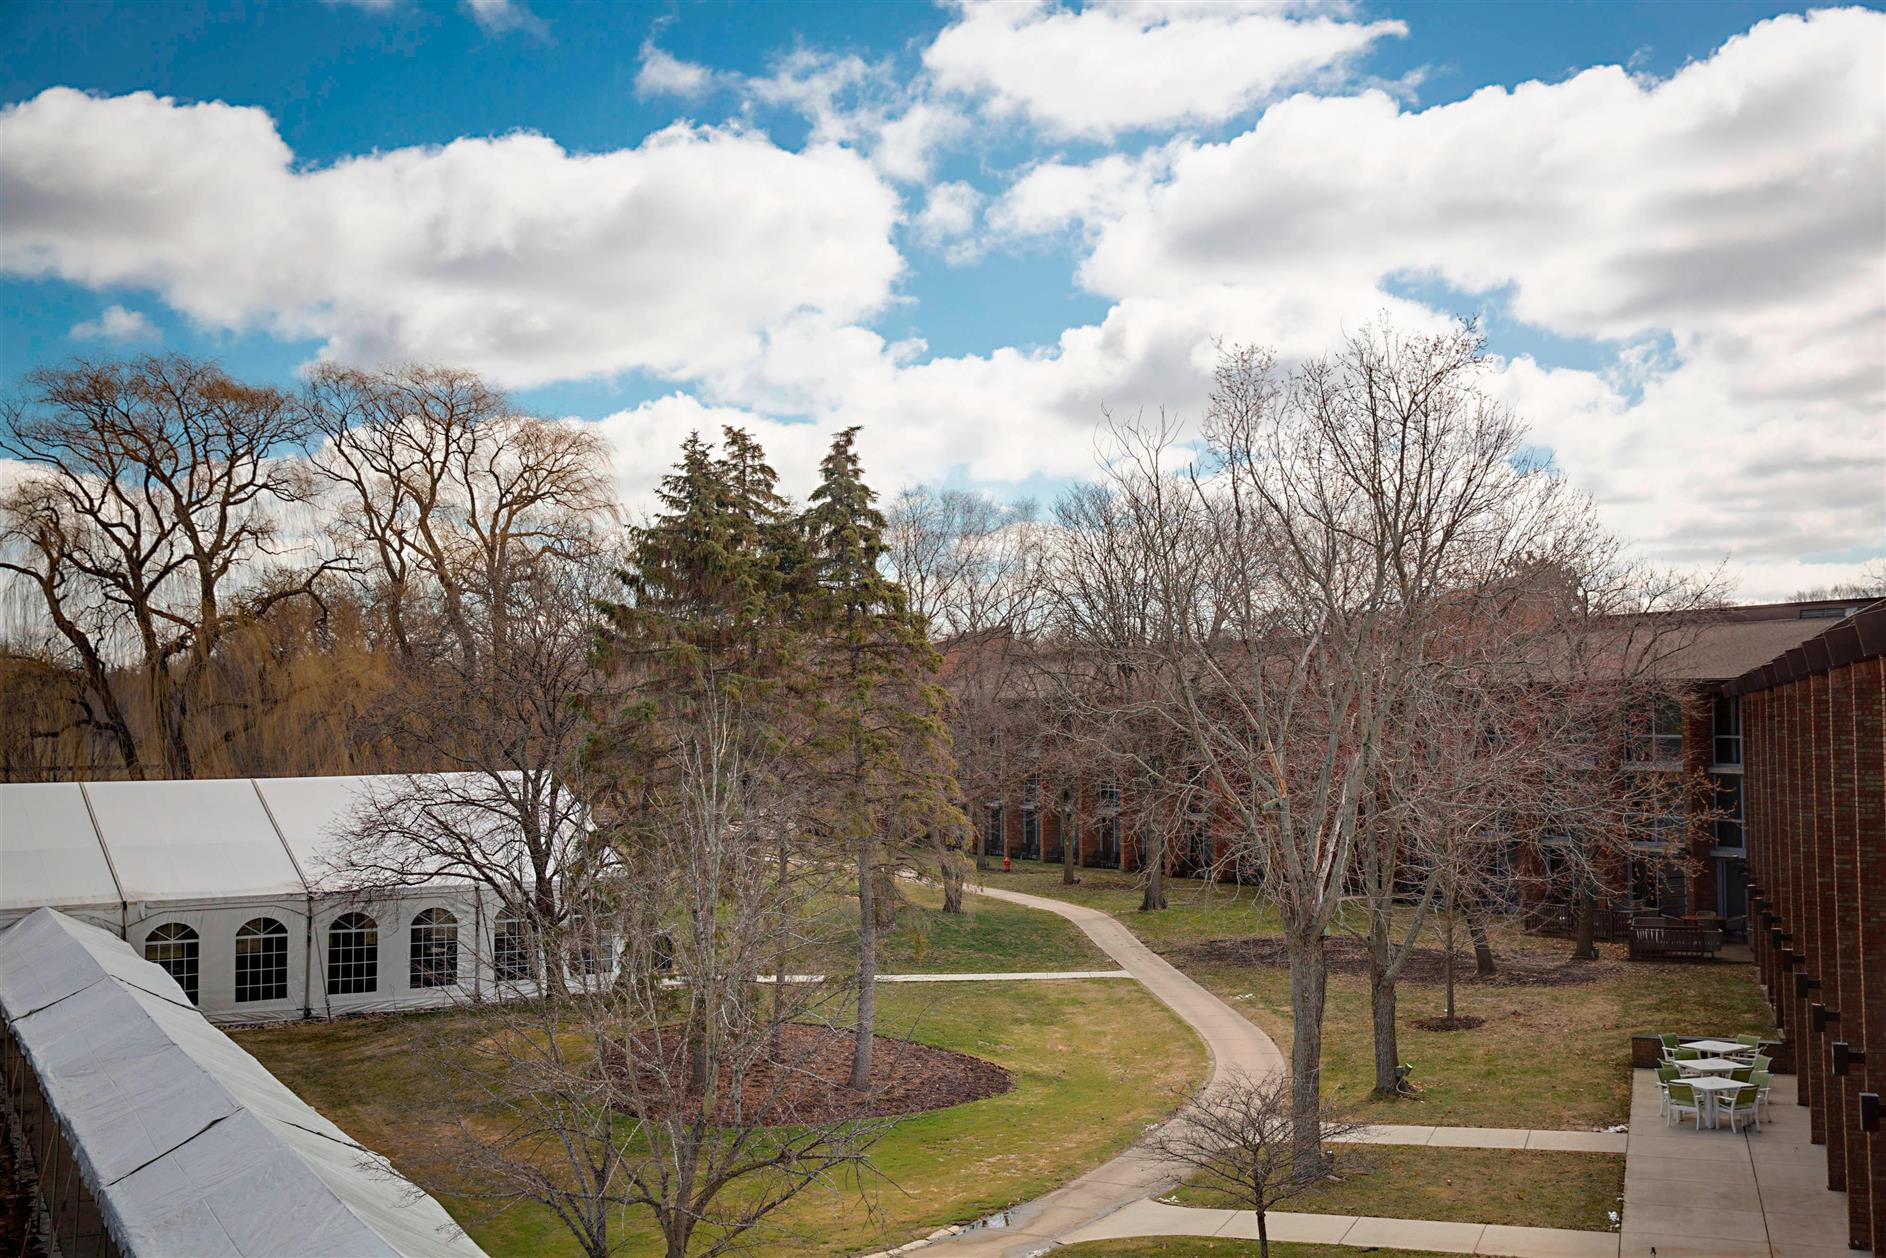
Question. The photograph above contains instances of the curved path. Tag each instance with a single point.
(1235, 1045)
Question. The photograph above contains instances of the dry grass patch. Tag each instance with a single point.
(1515, 1187)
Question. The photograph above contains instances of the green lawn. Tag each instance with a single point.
(988, 936)
(1486, 1077)
(1521, 1188)
(1094, 1062)
(1193, 1246)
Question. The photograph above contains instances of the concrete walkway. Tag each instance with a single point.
(1494, 1138)
(1114, 1201)
(993, 976)
(1151, 1218)
(1234, 1043)
(1713, 1194)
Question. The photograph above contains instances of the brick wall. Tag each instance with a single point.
(1814, 727)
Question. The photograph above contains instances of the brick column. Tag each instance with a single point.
(1825, 928)
(1798, 792)
(1857, 1179)
(1869, 742)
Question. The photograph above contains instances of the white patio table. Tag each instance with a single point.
(1713, 1085)
(1708, 1066)
(1718, 1047)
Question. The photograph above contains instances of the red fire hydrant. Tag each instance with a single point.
(1006, 867)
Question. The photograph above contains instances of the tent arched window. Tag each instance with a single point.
(510, 951)
(353, 955)
(434, 949)
(261, 960)
(174, 947)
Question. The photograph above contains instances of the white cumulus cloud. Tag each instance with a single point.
(508, 254)
(1108, 68)
(116, 324)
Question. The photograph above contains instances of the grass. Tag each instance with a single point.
(987, 937)
(1093, 1063)
(1517, 1187)
(1193, 1246)
(1547, 1057)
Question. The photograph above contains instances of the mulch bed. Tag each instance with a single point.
(807, 1079)
(1465, 1022)
(1427, 965)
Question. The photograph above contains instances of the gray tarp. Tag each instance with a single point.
(190, 1147)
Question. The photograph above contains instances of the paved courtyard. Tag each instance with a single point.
(1711, 1194)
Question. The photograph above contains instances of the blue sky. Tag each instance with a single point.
(972, 230)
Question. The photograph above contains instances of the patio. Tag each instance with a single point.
(1718, 1194)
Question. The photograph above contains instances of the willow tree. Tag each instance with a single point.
(888, 775)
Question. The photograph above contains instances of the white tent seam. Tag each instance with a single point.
(124, 906)
(172, 1149)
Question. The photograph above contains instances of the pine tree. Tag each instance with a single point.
(700, 646)
(888, 770)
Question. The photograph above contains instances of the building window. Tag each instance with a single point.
(261, 961)
(173, 946)
(510, 954)
(1728, 809)
(1657, 736)
(1031, 833)
(353, 955)
(1728, 729)
(993, 841)
(1107, 840)
(1031, 790)
(1110, 796)
(434, 950)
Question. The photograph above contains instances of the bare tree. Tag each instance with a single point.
(663, 1083)
(149, 528)
(1236, 1138)
(971, 568)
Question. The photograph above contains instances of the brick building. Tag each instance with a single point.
(1814, 742)
(1692, 861)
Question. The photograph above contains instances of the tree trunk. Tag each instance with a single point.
(1447, 962)
(867, 970)
(1263, 1235)
(950, 869)
(1068, 846)
(1152, 855)
(1482, 945)
(1382, 1007)
(1309, 974)
(783, 958)
(1584, 942)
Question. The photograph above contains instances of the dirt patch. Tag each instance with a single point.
(1466, 1022)
(1427, 965)
(805, 1079)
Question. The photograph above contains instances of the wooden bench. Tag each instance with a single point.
(1656, 941)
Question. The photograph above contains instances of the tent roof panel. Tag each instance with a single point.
(49, 853)
(189, 1144)
(192, 840)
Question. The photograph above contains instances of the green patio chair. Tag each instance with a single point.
(1761, 1062)
(1761, 1079)
(1751, 1046)
(1739, 1105)
(1742, 1075)
(1669, 1046)
(1683, 1100)
(1666, 1075)
(1687, 1054)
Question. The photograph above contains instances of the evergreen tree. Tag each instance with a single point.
(888, 771)
(701, 651)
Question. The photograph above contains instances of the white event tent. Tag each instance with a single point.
(220, 882)
(182, 1142)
